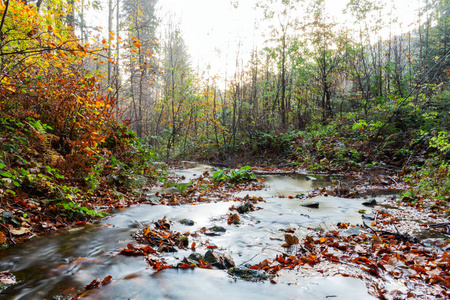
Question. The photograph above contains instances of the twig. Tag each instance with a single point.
(3, 19)
(390, 177)
(249, 259)
(445, 224)
(9, 232)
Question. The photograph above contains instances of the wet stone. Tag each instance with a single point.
(245, 208)
(219, 260)
(311, 205)
(228, 261)
(248, 274)
(218, 229)
(212, 233)
(194, 258)
(300, 196)
(370, 217)
(215, 231)
(372, 202)
(352, 231)
(187, 222)
(184, 240)
(213, 259)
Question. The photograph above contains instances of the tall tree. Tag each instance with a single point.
(142, 66)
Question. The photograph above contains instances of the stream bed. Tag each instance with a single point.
(59, 265)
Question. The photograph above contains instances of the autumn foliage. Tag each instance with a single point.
(43, 76)
(61, 140)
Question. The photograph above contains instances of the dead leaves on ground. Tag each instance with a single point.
(368, 256)
(290, 240)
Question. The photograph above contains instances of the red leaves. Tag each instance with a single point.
(186, 266)
(97, 283)
(158, 265)
(107, 280)
(133, 251)
(94, 284)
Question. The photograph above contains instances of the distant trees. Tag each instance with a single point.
(141, 63)
(310, 70)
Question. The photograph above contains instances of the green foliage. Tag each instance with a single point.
(93, 177)
(360, 125)
(432, 181)
(441, 142)
(39, 126)
(181, 187)
(242, 174)
(73, 208)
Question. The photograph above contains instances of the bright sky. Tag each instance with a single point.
(215, 30)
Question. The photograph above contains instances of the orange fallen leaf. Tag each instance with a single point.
(2, 238)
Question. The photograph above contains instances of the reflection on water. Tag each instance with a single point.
(53, 264)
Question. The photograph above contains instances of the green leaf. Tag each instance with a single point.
(6, 174)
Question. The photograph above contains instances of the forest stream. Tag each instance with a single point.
(60, 264)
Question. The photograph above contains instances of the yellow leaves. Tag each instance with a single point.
(376, 239)
(147, 231)
(99, 104)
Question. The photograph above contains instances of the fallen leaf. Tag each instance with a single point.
(107, 280)
(2, 238)
(290, 240)
(21, 231)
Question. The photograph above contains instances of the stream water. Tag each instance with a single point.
(55, 266)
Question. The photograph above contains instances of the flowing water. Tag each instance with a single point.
(61, 264)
